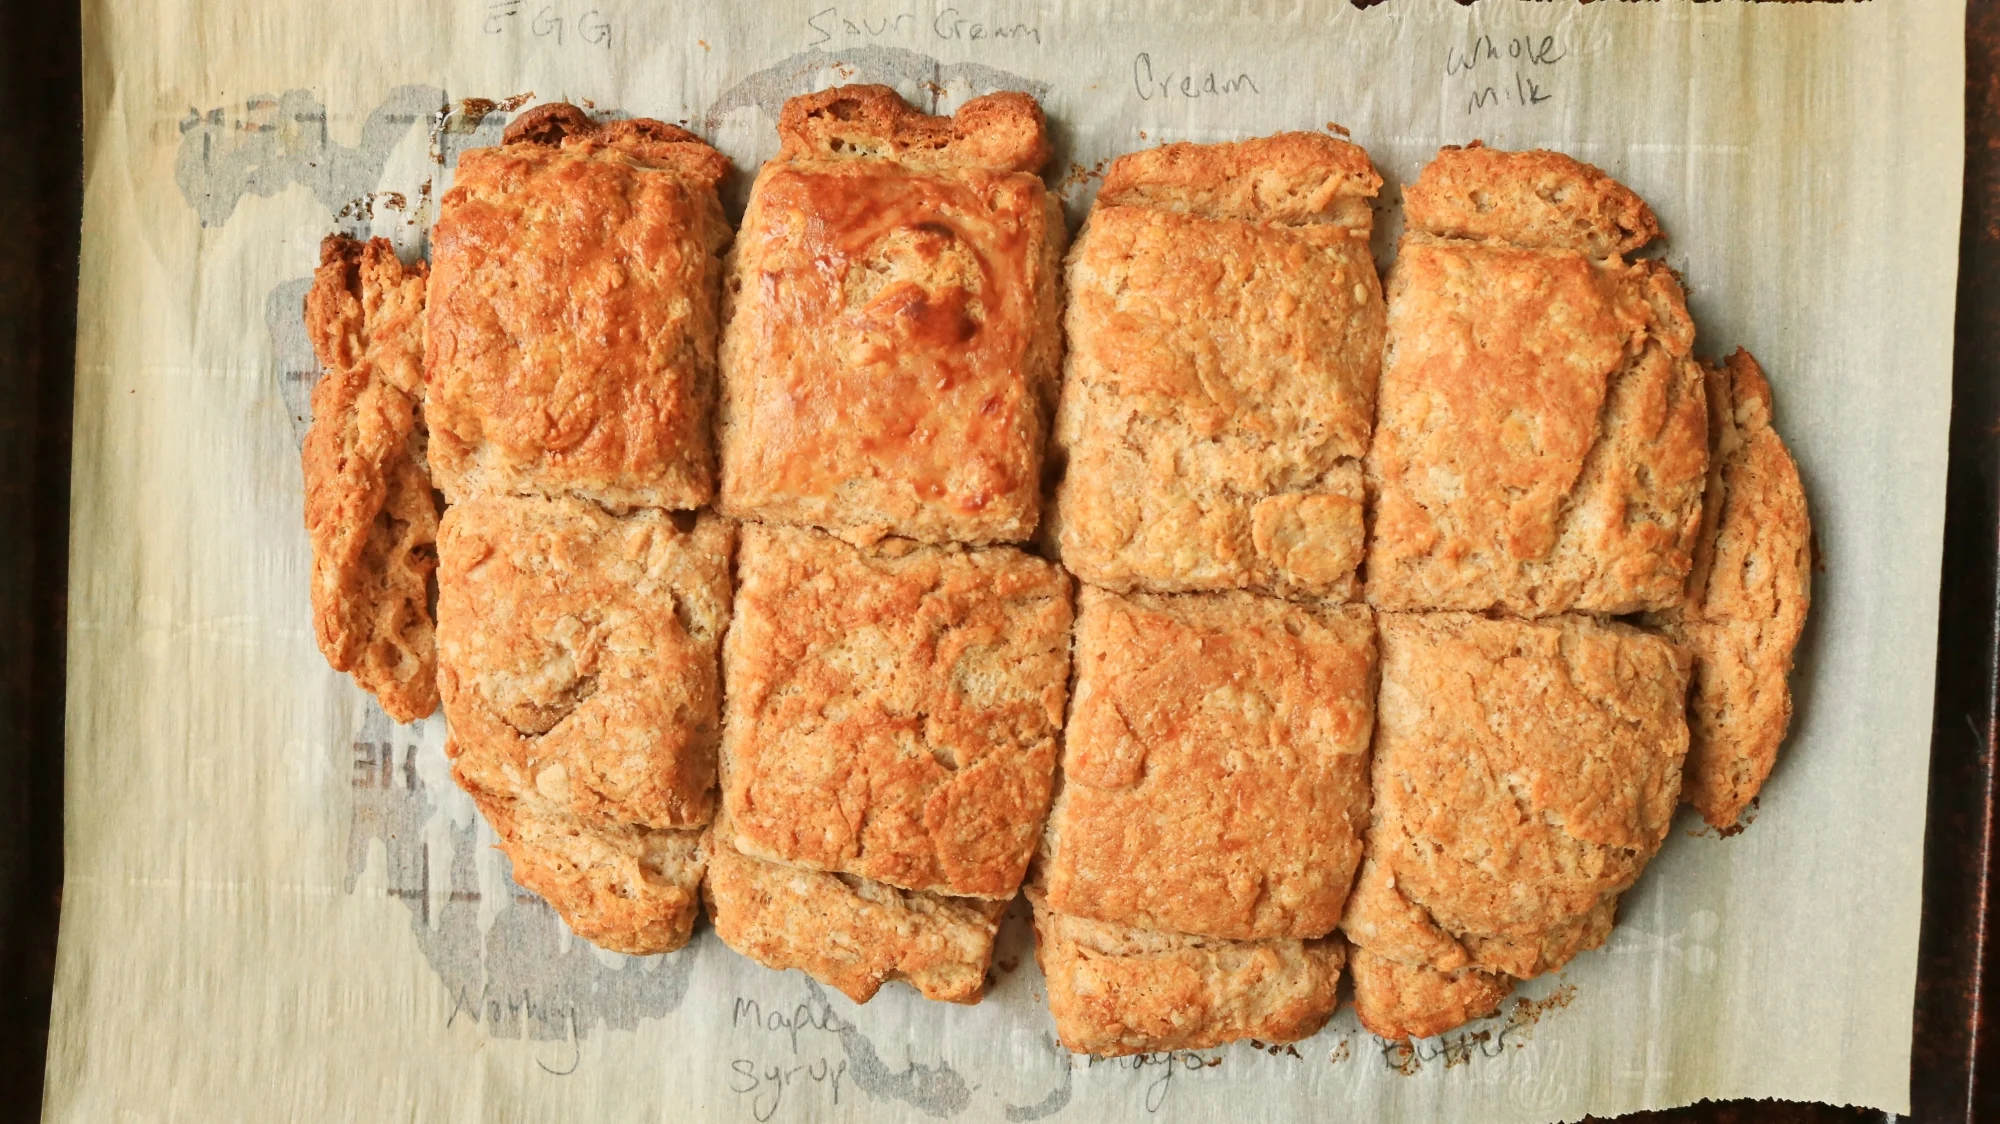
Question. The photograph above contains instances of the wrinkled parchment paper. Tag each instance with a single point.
(277, 905)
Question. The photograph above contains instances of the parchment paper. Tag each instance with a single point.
(277, 905)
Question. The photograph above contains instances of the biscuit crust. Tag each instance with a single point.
(1116, 991)
(1746, 597)
(1215, 768)
(578, 656)
(892, 711)
(849, 933)
(1525, 772)
(573, 315)
(1534, 198)
(369, 509)
(891, 339)
(1540, 445)
(619, 886)
(1397, 1000)
(1225, 324)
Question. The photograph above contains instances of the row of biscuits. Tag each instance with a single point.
(896, 684)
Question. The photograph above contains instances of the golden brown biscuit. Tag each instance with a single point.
(1115, 990)
(573, 315)
(1398, 1000)
(890, 352)
(370, 512)
(1225, 326)
(1215, 765)
(892, 710)
(1525, 772)
(1746, 597)
(1534, 198)
(578, 655)
(1540, 442)
(620, 886)
(848, 932)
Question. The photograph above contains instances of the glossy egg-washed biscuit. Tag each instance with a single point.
(370, 512)
(1524, 774)
(893, 709)
(1541, 441)
(1225, 325)
(573, 311)
(890, 353)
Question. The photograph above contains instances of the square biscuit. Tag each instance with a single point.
(573, 315)
(846, 932)
(369, 509)
(1225, 324)
(1215, 765)
(578, 655)
(1540, 444)
(891, 340)
(893, 710)
(1525, 772)
(1115, 990)
(1747, 597)
(620, 886)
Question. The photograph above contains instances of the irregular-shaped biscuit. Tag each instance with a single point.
(620, 886)
(1534, 198)
(1525, 772)
(1225, 325)
(889, 359)
(573, 314)
(1398, 1000)
(1540, 443)
(578, 655)
(848, 932)
(892, 710)
(1746, 598)
(1115, 990)
(369, 510)
(1215, 765)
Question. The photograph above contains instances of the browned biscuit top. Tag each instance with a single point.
(1747, 597)
(1215, 771)
(1534, 198)
(1001, 132)
(573, 317)
(890, 356)
(893, 711)
(1115, 990)
(1287, 178)
(369, 510)
(578, 655)
(1540, 443)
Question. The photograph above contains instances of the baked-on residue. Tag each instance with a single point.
(369, 510)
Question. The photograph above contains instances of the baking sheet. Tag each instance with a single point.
(278, 906)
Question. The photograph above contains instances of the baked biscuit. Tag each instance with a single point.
(578, 656)
(891, 341)
(573, 314)
(1525, 772)
(847, 932)
(892, 710)
(1746, 598)
(1540, 444)
(1215, 764)
(620, 886)
(1225, 325)
(369, 509)
(1115, 990)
